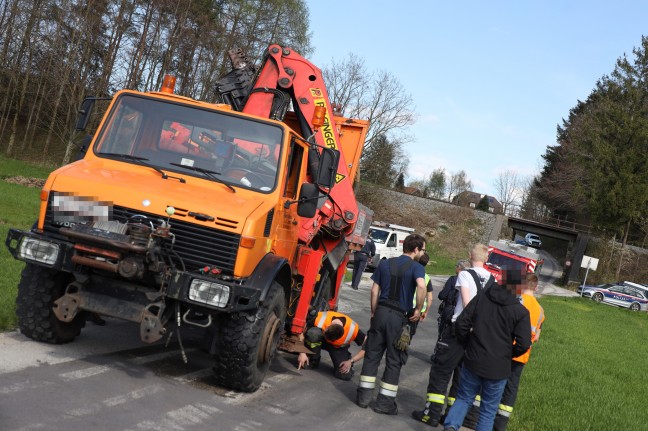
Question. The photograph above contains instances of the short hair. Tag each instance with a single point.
(479, 253)
(463, 264)
(532, 279)
(333, 332)
(413, 241)
(423, 260)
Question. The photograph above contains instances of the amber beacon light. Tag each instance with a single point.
(168, 85)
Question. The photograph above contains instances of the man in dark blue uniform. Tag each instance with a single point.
(395, 282)
(360, 261)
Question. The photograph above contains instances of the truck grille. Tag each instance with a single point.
(197, 246)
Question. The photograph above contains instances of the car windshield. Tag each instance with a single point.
(378, 236)
(175, 137)
(505, 262)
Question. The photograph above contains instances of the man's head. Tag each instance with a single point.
(531, 282)
(414, 245)
(479, 253)
(513, 280)
(334, 331)
(424, 259)
(462, 264)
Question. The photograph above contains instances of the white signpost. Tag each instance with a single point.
(589, 263)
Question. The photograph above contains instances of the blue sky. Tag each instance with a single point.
(491, 80)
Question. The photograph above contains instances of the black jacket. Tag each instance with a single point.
(492, 322)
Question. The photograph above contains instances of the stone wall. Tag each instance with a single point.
(408, 210)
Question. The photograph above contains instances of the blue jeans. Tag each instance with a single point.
(469, 386)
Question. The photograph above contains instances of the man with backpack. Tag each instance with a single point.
(449, 351)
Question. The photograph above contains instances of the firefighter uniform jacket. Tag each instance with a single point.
(351, 328)
(536, 313)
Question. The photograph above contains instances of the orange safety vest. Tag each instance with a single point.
(536, 313)
(324, 319)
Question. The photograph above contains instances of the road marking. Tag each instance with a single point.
(114, 401)
(176, 420)
(82, 374)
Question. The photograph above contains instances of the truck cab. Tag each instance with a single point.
(388, 239)
(509, 255)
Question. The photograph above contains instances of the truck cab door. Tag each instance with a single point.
(392, 246)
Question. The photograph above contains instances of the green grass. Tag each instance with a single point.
(18, 209)
(10, 168)
(587, 370)
(441, 263)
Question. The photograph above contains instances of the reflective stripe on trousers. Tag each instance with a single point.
(504, 410)
(436, 398)
(477, 401)
(388, 390)
(367, 382)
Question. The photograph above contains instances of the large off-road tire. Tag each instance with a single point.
(37, 290)
(247, 342)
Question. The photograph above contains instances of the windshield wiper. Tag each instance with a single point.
(209, 174)
(143, 162)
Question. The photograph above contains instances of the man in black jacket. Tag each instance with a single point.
(497, 328)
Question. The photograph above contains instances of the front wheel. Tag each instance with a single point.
(598, 297)
(635, 306)
(247, 342)
(38, 289)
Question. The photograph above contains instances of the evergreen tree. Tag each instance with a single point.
(483, 204)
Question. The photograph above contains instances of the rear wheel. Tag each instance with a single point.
(635, 306)
(38, 289)
(247, 342)
(598, 297)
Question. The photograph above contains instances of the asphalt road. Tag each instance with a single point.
(108, 380)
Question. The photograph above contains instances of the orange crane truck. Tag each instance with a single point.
(235, 218)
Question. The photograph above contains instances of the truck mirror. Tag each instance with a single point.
(84, 113)
(308, 198)
(328, 166)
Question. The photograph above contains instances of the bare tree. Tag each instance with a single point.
(458, 183)
(508, 186)
(375, 96)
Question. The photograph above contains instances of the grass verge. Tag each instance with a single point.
(586, 372)
(18, 209)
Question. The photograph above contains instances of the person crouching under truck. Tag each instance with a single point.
(333, 332)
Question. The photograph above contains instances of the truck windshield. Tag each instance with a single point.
(239, 151)
(378, 236)
(505, 262)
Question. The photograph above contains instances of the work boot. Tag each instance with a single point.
(363, 397)
(500, 423)
(385, 405)
(429, 415)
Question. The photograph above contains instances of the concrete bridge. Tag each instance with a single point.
(570, 232)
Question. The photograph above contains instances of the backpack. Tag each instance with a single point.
(446, 308)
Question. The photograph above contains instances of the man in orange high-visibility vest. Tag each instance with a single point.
(333, 332)
(537, 316)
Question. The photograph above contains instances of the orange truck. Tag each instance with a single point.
(235, 218)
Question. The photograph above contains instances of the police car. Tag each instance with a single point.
(621, 296)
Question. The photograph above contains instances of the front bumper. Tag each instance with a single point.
(57, 254)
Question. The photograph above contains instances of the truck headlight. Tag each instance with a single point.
(38, 250)
(67, 209)
(209, 292)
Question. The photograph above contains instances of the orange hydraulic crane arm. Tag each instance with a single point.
(282, 72)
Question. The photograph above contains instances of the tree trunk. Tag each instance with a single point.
(625, 239)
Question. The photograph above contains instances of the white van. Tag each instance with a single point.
(388, 239)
